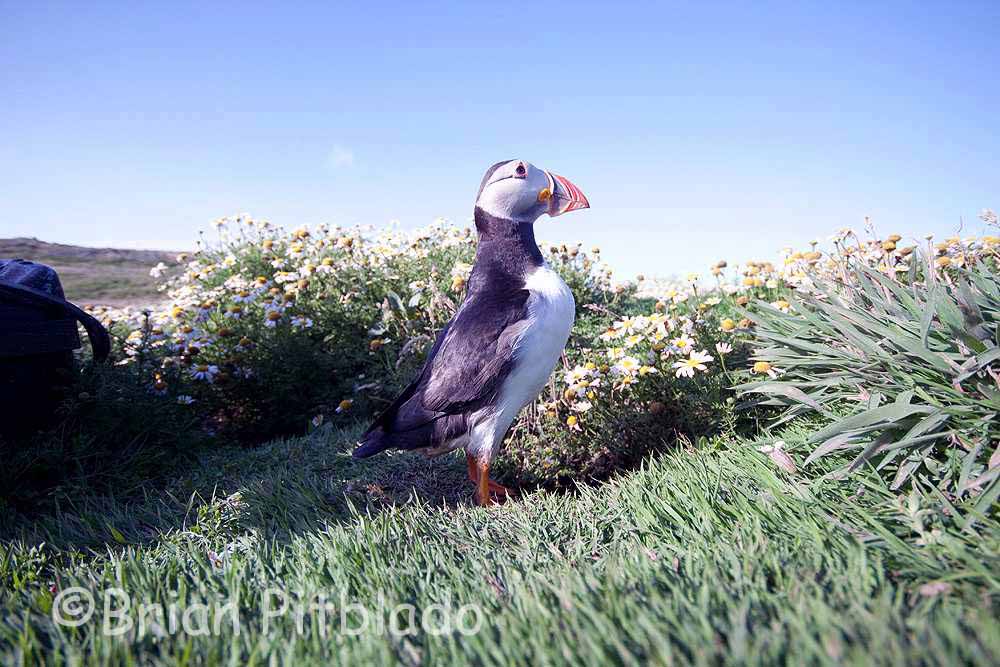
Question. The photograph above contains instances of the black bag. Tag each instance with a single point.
(38, 333)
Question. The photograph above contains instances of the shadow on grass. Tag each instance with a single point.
(275, 492)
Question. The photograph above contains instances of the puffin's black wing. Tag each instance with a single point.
(464, 369)
(476, 352)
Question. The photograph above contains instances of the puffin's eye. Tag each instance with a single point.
(520, 171)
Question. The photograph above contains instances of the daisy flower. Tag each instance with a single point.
(626, 366)
(764, 368)
(615, 353)
(244, 296)
(683, 343)
(633, 340)
(206, 372)
(696, 361)
(658, 320)
(659, 334)
(626, 381)
(629, 325)
(611, 334)
(576, 375)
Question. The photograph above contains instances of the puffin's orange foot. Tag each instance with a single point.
(499, 490)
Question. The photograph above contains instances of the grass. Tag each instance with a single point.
(718, 552)
(707, 555)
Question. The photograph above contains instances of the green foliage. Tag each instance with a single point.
(110, 431)
(707, 556)
(706, 552)
(906, 372)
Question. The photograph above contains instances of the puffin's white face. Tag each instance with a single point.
(518, 190)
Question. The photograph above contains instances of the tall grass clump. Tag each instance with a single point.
(904, 365)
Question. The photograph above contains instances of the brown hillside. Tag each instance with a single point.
(108, 276)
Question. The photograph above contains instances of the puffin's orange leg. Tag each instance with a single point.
(484, 483)
(496, 492)
(486, 488)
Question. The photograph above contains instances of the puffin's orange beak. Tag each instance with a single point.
(565, 196)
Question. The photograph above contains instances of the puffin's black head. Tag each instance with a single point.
(518, 190)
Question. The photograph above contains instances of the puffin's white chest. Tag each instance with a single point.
(551, 311)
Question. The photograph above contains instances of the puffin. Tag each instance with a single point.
(496, 354)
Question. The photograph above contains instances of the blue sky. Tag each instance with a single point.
(698, 132)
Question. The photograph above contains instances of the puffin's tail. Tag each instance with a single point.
(373, 442)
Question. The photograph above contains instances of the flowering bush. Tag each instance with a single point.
(265, 330)
(630, 385)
